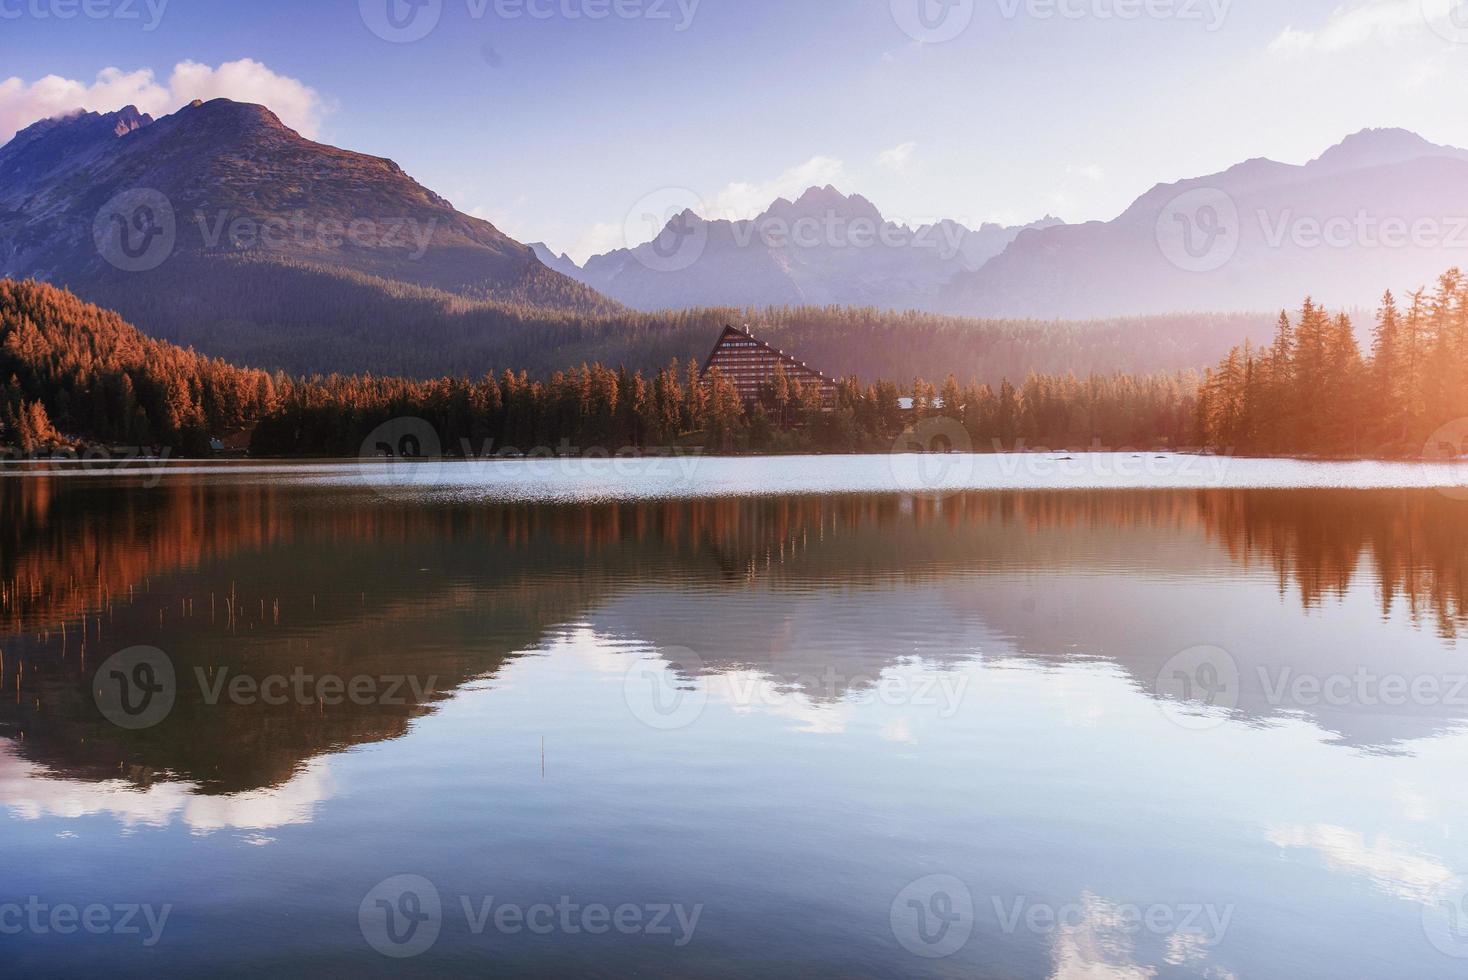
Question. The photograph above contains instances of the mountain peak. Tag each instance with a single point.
(120, 123)
(822, 201)
(562, 263)
(349, 224)
(127, 119)
(228, 111)
(821, 195)
(1384, 136)
(1378, 147)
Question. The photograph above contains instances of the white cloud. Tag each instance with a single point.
(298, 105)
(1292, 39)
(246, 80)
(22, 104)
(742, 200)
(898, 158)
(1352, 25)
(599, 239)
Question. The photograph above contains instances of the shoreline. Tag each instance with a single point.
(123, 457)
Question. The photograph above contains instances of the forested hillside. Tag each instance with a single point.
(70, 366)
(71, 370)
(303, 322)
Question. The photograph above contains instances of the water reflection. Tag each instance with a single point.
(32, 793)
(875, 690)
(817, 597)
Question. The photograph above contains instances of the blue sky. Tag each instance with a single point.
(555, 127)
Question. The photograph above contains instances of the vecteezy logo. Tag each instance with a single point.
(135, 688)
(1449, 444)
(401, 21)
(933, 458)
(136, 230)
(666, 693)
(933, 917)
(664, 230)
(1199, 687)
(1198, 231)
(933, 21)
(1445, 918)
(401, 917)
(1447, 18)
(401, 452)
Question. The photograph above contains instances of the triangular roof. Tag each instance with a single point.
(738, 334)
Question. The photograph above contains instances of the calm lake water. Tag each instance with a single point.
(824, 717)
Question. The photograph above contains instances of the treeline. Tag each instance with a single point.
(597, 408)
(68, 368)
(69, 371)
(304, 320)
(1314, 391)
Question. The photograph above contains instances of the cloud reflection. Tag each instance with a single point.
(1391, 866)
(30, 792)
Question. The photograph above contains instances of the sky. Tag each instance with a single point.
(558, 119)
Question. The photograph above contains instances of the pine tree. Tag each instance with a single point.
(1384, 397)
(952, 398)
(1343, 390)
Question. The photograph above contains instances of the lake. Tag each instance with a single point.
(1106, 717)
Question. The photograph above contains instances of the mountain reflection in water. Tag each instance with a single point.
(345, 584)
(1039, 749)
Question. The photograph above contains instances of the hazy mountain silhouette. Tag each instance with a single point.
(824, 248)
(1383, 208)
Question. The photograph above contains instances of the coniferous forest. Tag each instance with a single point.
(73, 373)
(304, 322)
(1314, 391)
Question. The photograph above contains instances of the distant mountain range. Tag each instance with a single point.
(824, 248)
(219, 227)
(1383, 208)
